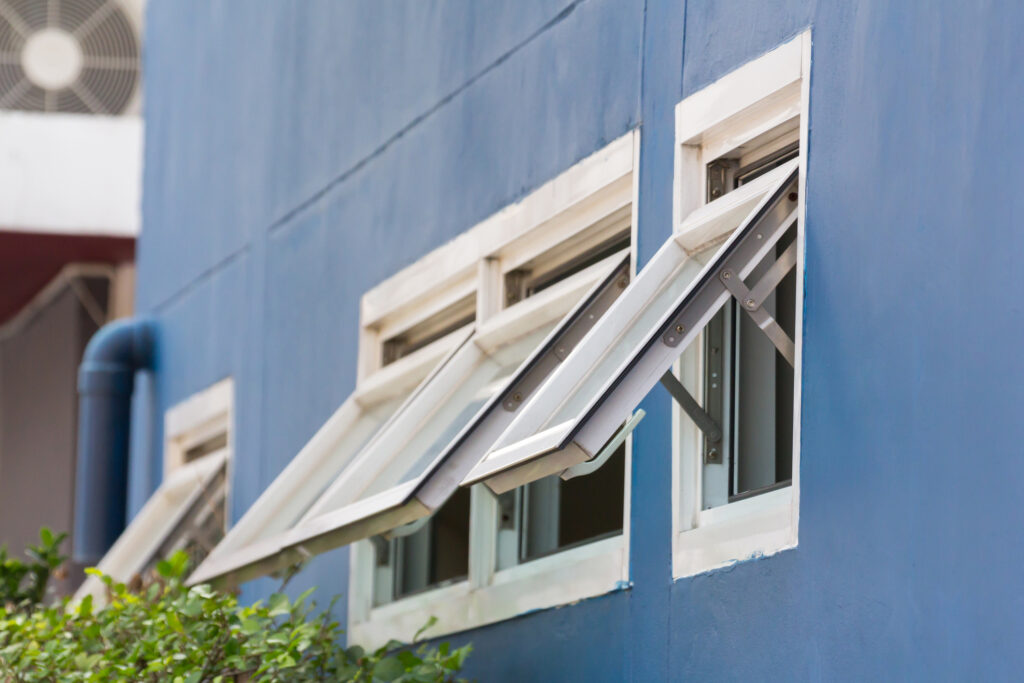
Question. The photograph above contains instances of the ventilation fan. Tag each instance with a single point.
(69, 55)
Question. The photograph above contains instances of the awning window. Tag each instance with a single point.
(415, 461)
(363, 414)
(185, 513)
(586, 401)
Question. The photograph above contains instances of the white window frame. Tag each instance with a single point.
(747, 102)
(201, 416)
(574, 205)
(187, 424)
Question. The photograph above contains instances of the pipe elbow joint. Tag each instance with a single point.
(114, 354)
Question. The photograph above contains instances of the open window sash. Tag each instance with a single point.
(584, 403)
(174, 517)
(417, 460)
(354, 425)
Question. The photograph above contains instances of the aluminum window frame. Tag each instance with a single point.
(539, 443)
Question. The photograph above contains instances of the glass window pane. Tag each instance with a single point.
(353, 440)
(454, 413)
(435, 555)
(755, 403)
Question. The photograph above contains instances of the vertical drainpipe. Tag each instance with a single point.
(105, 380)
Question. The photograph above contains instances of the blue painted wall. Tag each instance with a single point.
(297, 153)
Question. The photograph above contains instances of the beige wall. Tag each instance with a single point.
(38, 409)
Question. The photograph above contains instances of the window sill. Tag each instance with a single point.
(744, 530)
(584, 572)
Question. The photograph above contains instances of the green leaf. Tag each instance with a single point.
(165, 569)
(388, 669)
(302, 598)
(278, 605)
(408, 659)
(430, 622)
(175, 622)
(251, 626)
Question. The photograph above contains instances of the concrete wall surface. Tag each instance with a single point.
(298, 153)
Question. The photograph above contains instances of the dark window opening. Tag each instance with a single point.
(726, 174)
(532, 279)
(444, 323)
(211, 445)
(551, 515)
(437, 554)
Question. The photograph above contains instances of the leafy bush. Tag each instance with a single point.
(168, 632)
(23, 584)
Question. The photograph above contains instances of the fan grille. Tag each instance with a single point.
(100, 56)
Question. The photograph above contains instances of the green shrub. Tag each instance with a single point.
(168, 632)
(23, 584)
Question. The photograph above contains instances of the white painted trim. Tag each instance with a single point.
(747, 102)
(730, 96)
(561, 579)
(196, 419)
(747, 529)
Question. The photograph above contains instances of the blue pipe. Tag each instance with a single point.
(105, 380)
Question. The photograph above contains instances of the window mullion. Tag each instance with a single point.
(483, 506)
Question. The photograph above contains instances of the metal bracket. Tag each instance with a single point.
(720, 177)
(584, 317)
(751, 300)
(704, 422)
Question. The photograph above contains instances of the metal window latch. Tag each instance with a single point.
(594, 464)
